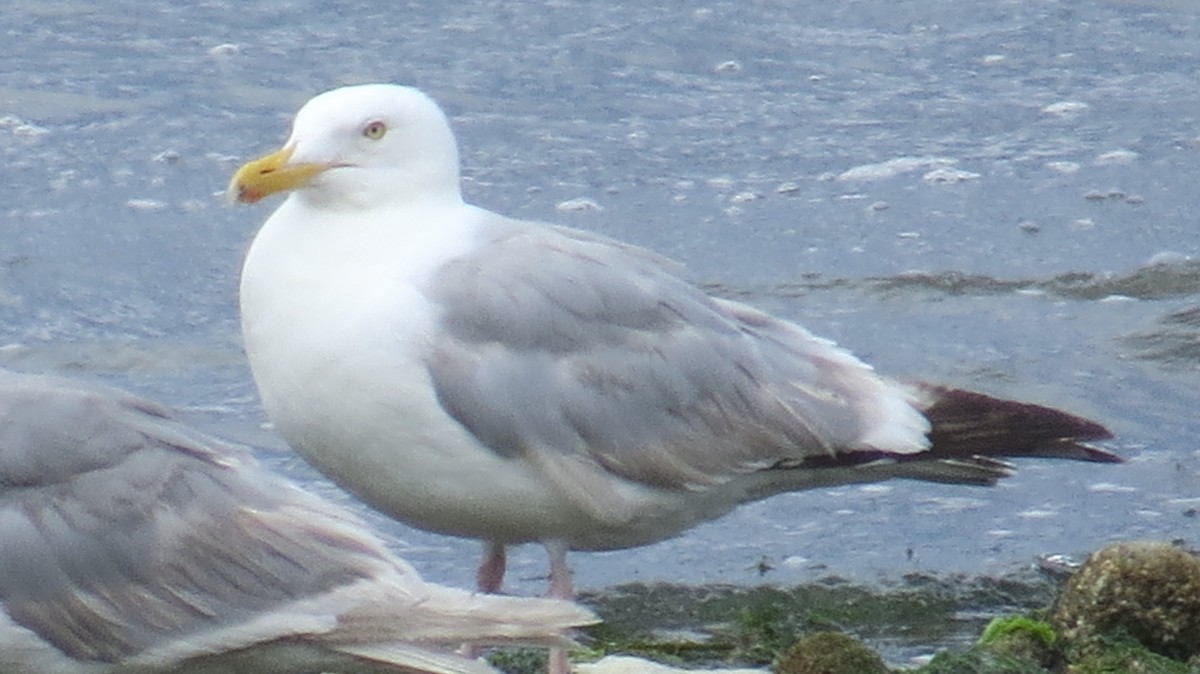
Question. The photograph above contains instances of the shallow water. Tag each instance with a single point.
(990, 194)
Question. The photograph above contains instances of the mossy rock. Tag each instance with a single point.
(979, 661)
(1124, 655)
(1021, 638)
(519, 660)
(1147, 590)
(829, 653)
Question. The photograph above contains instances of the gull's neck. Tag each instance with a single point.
(348, 190)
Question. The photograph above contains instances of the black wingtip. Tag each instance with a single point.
(966, 423)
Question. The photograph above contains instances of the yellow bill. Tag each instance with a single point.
(267, 175)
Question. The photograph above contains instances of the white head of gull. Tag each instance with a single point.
(512, 381)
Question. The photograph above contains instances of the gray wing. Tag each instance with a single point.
(122, 530)
(558, 343)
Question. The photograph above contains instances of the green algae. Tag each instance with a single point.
(1007, 627)
(829, 653)
(1021, 639)
(723, 625)
(1014, 624)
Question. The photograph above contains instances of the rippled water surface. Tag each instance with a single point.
(995, 194)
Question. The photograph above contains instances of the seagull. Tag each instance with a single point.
(130, 542)
(513, 381)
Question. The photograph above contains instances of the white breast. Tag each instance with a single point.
(336, 330)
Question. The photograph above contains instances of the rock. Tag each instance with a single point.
(1020, 638)
(979, 661)
(1147, 590)
(829, 653)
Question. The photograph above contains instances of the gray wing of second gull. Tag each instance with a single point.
(562, 344)
(123, 530)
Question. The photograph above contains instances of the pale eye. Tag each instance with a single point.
(375, 130)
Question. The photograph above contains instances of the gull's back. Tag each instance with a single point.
(130, 542)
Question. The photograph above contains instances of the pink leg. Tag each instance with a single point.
(490, 577)
(561, 584)
(561, 587)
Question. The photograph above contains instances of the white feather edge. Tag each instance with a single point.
(418, 658)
